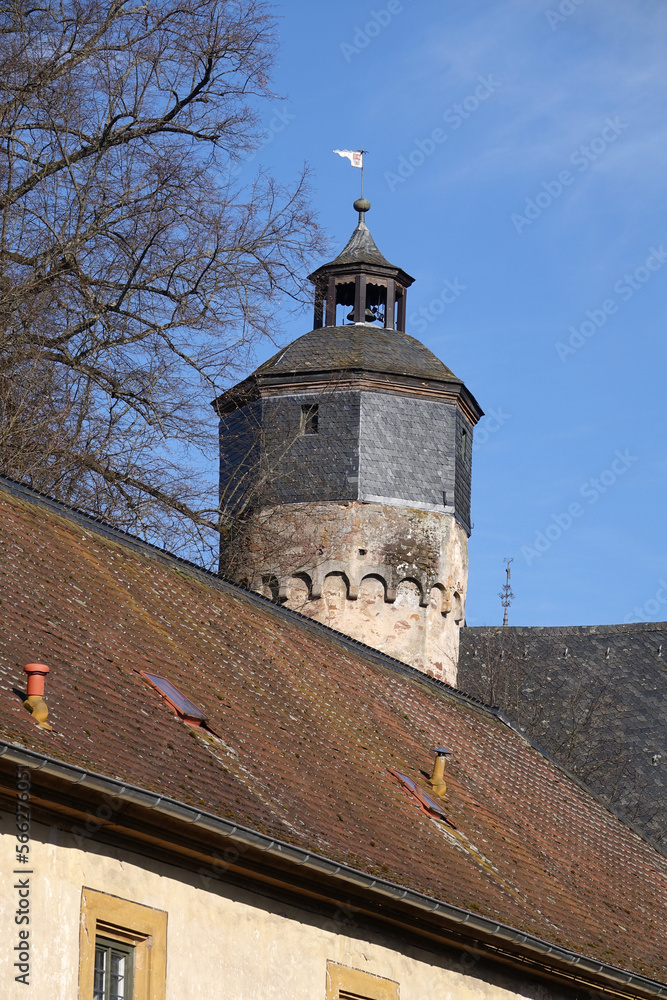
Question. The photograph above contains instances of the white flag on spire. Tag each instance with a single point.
(356, 157)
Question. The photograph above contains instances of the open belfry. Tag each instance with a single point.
(346, 466)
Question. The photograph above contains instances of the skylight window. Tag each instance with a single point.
(185, 708)
(426, 801)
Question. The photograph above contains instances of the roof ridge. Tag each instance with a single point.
(610, 807)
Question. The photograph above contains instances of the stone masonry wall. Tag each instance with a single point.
(393, 577)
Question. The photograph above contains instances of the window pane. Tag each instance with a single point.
(113, 971)
(176, 697)
(117, 977)
(100, 973)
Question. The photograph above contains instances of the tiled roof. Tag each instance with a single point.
(310, 723)
(624, 667)
(360, 347)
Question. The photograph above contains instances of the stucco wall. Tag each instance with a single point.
(223, 943)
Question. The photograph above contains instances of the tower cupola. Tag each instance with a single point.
(360, 285)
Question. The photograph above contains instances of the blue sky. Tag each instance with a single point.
(544, 203)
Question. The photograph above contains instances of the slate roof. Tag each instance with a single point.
(360, 249)
(624, 667)
(310, 722)
(360, 347)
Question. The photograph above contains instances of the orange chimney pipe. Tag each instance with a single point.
(35, 703)
(36, 673)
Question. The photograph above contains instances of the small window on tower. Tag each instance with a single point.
(464, 445)
(309, 418)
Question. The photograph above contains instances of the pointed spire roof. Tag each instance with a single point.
(361, 252)
(361, 249)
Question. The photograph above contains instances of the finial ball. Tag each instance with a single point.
(362, 205)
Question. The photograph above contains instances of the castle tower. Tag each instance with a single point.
(345, 470)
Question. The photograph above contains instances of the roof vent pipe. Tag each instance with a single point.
(437, 779)
(35, 701)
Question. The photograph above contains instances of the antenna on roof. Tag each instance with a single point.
(506, 596)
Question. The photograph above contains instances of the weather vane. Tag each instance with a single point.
(356, 158)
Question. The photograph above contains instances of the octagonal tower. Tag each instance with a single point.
(346, 466)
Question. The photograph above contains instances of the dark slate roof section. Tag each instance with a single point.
(326, 719)
(623, 669)
(360, 254)
(361, 346)
(361, 249)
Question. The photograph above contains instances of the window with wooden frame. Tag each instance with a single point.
(113, 970)
(344, 983)
(123, 949)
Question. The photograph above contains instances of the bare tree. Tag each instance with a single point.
(135, 275)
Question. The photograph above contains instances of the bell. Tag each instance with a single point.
(370, 316)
